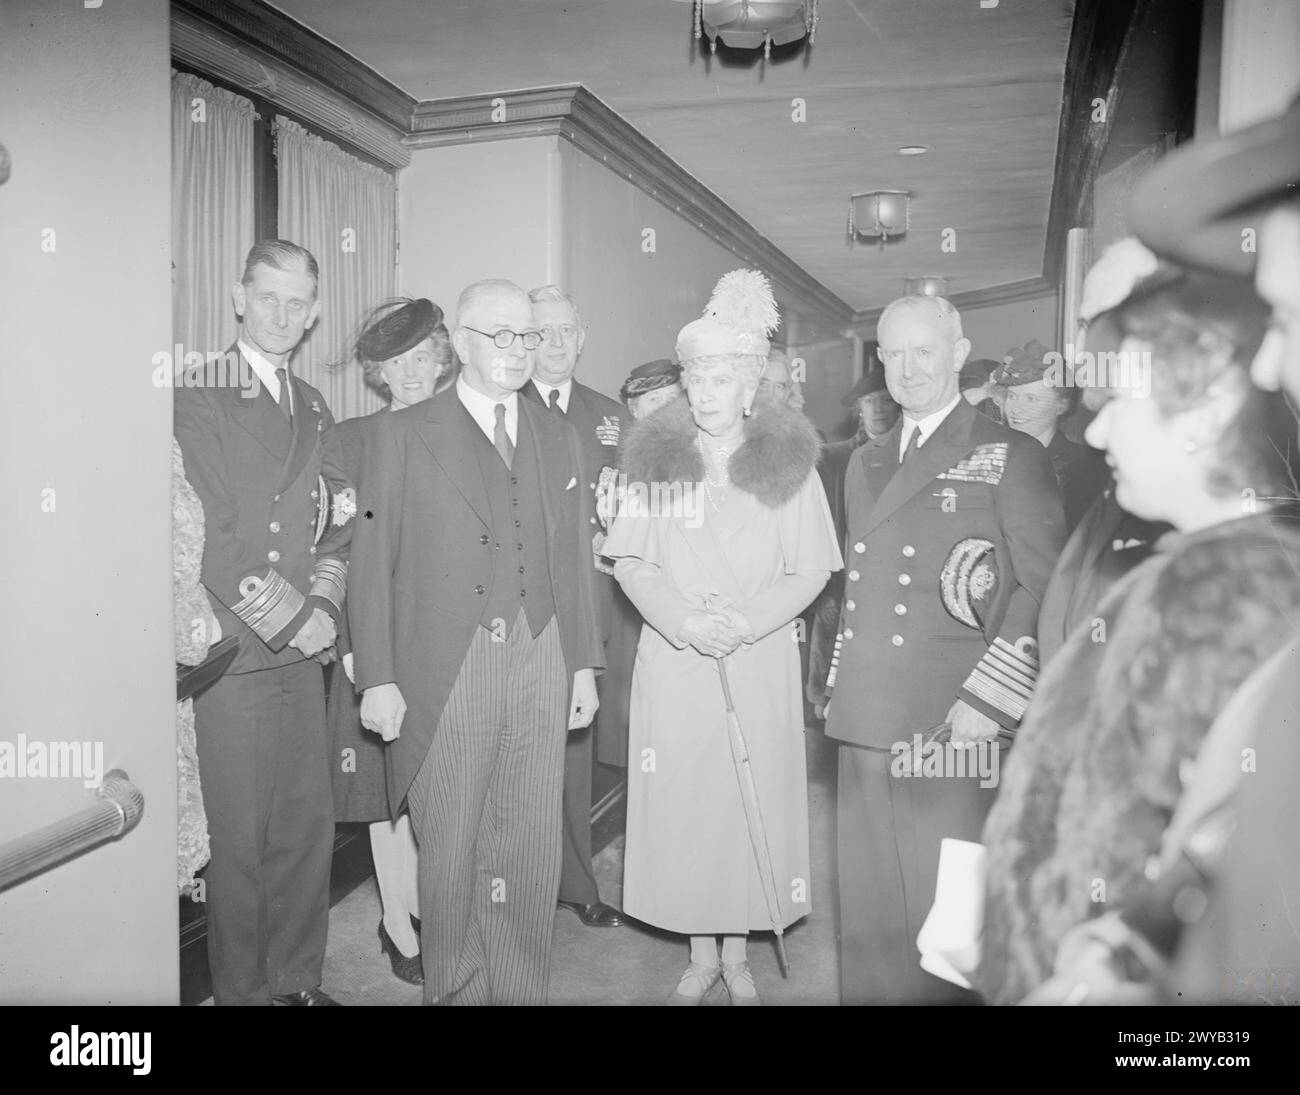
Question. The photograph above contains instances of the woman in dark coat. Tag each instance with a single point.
(406, 355)
(1119, 715)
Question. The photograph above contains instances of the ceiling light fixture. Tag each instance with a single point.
(928, 285)
(914, 150)
(755, 24)
(879, 214)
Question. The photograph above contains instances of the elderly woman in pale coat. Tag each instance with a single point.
(721, 569)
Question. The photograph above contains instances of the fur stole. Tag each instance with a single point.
(773, 462)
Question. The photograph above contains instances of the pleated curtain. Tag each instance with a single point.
(212, 209)
(343, 211)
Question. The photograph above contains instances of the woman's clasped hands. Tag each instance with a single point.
(716, 632)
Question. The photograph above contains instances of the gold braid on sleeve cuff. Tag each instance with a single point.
(1005, 676)
(329, 580)
(269, 605)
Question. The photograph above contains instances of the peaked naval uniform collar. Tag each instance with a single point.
(542, 389)
(891, 484)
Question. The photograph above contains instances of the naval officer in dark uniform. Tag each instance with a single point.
(953, 525)
(266, 463)
(597, 418)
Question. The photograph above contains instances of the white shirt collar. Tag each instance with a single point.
(265, 372)
(926, 425)
(483, 409)
(565, 390)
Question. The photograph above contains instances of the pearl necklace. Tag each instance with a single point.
(722, 455)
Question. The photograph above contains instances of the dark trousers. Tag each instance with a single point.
(485, 807)
(577, 879)
(889, 829)
(266, 789)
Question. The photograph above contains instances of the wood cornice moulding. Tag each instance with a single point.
(233, 53)
(570, 111)
(1007, 293)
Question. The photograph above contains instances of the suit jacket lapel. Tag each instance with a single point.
(447, 434)
(260, 416)
(947, 445)
(306, 430)
(548, 450)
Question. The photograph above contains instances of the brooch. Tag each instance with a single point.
(345, 506)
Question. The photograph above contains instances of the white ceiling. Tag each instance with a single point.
(980, 86)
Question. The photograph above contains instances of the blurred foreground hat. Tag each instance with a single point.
(395, 327)
(738, 319)
(1196, 202)
(975, 374)
(873, 380)
(660, 373)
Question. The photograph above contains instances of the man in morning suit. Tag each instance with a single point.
(953, 525)
(473, 611)
(597, 420)
(265, 461)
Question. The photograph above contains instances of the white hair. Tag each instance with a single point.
(940, 309)
(553, 294)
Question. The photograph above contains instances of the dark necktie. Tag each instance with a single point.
(500, 438)
(555, 401)
(913, 443)
(282, 376)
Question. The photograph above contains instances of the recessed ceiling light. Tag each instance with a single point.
(913, 150)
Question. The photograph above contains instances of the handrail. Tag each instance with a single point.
(119, 806)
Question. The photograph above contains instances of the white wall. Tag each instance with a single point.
(86, 647)
(995, 329)
(473, 211)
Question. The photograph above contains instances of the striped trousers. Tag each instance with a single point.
(486, 806)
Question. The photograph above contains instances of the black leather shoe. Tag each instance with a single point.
(410, 970)
(308, 998)
(598, 915)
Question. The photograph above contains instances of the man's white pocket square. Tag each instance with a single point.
(572, 483)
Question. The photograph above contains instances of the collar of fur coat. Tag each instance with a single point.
(774, 460)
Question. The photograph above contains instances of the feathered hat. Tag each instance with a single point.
(738, 319)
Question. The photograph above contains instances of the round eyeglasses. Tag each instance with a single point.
(505, 338)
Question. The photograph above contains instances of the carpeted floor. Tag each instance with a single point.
(630, 965)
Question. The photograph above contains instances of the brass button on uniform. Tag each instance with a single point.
(483, 539)
(900, 610)
(904, 579)
(848, 632)
(479, 590)
(273, 555)
(275, 526)
(314, 496)
(850, 605)
(312, 550)
(859, 547)
(854, 575)
(897, 640)
(521, 570)
(909, 550)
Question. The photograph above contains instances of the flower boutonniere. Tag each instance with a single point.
(320, 422)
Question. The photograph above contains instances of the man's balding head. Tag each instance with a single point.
(483, 309)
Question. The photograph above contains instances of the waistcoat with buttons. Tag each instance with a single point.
(521, 577)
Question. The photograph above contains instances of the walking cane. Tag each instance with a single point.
(754, 818)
